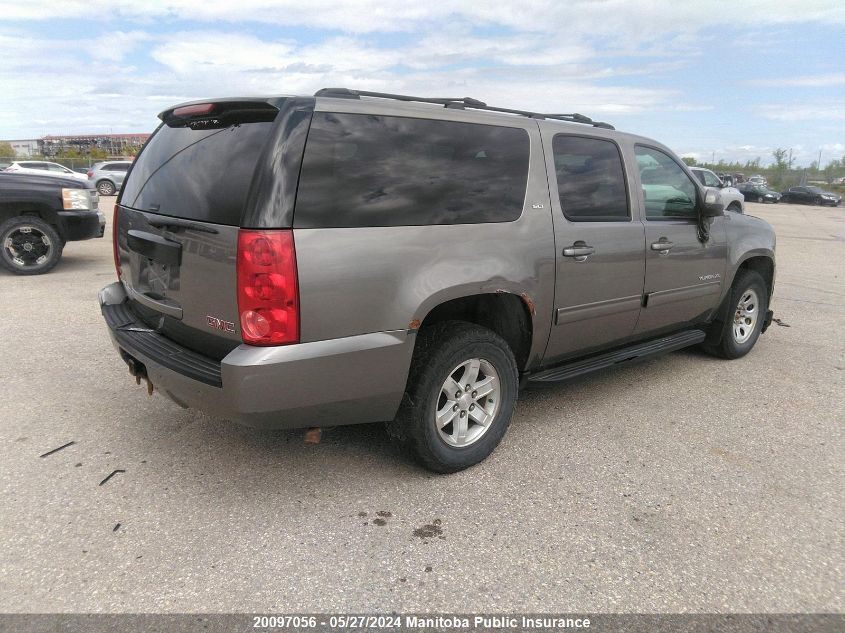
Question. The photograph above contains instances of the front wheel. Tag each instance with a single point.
(749, 299)
(29, 246)
(460, 397)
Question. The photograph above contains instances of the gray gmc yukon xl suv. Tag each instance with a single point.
(360, 257)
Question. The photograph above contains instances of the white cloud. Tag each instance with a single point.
(809, 111)
(362, 16)
(808, 81)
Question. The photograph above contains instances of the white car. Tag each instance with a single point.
(731, 196)
(44, 168)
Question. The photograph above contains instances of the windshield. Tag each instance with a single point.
(814, 190)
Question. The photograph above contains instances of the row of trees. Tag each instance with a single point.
(779, 172)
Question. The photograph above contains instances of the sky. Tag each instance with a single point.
(711, 79)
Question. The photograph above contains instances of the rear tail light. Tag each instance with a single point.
(114, 241)
(90, 174)
(268, 296)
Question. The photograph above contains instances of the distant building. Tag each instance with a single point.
(51, 145)
(24, 148)
(113, 144)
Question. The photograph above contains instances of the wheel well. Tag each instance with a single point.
(504, 313)
(764, 267)
(735, 205)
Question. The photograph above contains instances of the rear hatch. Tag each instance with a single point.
(179, 213)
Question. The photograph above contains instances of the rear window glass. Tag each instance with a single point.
(197, 174)
(590, 180)
(366, 170)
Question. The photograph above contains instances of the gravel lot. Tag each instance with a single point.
(682, 484)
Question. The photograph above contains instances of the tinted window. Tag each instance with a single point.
(198, 174)
(117, 167)
(58, 168)
(364, 170)
(708, 178)
(667, 190)
(590, 180)
(34, 166)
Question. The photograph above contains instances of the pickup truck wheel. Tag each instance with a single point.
(749, 303)
(105, 188)
(460, 397)
(29, 246)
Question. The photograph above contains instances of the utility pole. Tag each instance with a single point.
(819, 164)
(789, 165)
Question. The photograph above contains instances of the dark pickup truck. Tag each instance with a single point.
(39, 214)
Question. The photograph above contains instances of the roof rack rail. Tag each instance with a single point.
(459, 102)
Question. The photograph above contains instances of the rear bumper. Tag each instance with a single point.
(349, 380)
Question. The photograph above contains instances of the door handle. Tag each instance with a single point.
(663, 245)
(579, 250)
(165, 306)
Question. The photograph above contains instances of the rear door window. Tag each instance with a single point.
(590, 179)
(366, 170)
(197, 173)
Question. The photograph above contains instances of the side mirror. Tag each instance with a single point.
(712, 205)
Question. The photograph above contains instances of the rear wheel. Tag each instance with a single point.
(749, 303)
(105, 187)
(460, 397)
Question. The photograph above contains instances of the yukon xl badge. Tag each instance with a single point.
(709, 277)
(219, 324)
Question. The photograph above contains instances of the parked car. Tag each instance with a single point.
(108, 176)
(39, 214)
(732, 198)
(414, 263)
(810, 195)
(758, 193)
(44, 168)
(758, 180)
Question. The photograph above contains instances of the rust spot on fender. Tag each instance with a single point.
(414, 325)
(529, 303)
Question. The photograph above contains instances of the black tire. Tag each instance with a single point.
(106, 188)
(818, 201)
(439, 350)
(729, 346)
(43, 253)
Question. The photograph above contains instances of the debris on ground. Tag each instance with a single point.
(112, 474)
(313, 435)
(56, 450)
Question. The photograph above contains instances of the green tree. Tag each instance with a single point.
(781, 158)
(6, 150)
(690, 161)
(832, 170)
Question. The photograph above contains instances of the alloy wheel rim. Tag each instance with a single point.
(745, 316)
(467, 403)
(27, 247)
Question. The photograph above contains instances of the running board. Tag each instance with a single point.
(622, 356)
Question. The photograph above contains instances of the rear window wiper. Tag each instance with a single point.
(176, 223)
